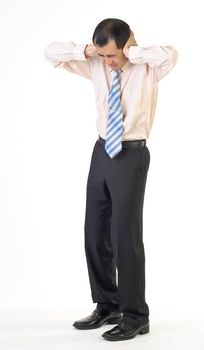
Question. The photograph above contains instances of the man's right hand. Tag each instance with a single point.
(90, 51)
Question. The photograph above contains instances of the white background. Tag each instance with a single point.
(44, 168)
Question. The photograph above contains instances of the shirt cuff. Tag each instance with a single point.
(78, 52)
(134, 52)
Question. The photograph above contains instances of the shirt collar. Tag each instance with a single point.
(126, 67)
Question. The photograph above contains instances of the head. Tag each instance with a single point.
(109, 38)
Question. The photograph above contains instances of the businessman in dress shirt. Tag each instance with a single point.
(116, 183)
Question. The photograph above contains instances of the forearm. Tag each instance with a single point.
(154, 55)
(68, 56)
(57, 52)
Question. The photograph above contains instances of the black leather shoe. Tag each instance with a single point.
(97, 319)
(124, 331)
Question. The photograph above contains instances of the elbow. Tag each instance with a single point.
(48, 51)
(174, 55)
(49, 54)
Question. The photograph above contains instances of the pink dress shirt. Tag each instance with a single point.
(139, 82)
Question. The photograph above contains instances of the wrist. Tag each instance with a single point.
(126, 51)
(90, 50)
(86, 51)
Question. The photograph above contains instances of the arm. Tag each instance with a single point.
(68, 56)
(162, 58)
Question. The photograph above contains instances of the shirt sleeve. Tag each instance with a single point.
(162, 58)
(68, 56)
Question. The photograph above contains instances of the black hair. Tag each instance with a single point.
(111, 28)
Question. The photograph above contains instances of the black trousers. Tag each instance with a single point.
(114, 230)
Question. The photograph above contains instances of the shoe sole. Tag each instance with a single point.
(114, 320)
(142, 330)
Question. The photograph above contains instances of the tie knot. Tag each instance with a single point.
(115, 74)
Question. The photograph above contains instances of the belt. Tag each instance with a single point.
(126, 144)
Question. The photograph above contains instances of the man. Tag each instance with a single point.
(125, 78)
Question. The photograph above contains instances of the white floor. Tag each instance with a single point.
(37, 330)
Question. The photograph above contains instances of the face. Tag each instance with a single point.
(111, 55)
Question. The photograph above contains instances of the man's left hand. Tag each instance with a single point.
(131, 42)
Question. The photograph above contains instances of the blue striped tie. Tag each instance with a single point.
(113, 143)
